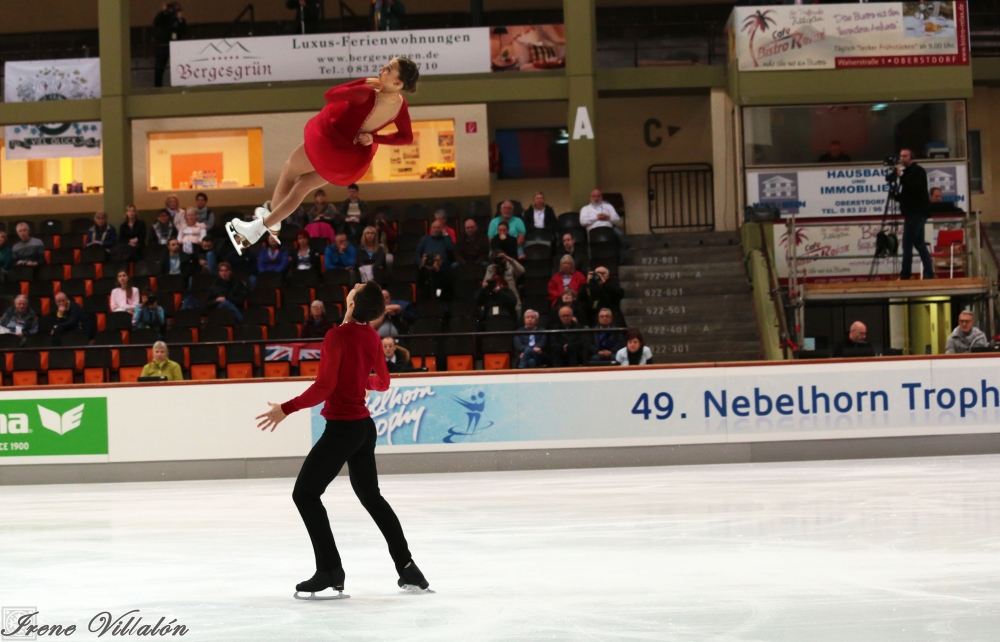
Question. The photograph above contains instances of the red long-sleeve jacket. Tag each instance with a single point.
(349, 355)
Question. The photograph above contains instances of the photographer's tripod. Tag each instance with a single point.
(887, 243)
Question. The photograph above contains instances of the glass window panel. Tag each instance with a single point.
(802, 135)
(430, 156)
(198, 160)
(45, 176)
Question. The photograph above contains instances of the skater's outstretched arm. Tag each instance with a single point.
(326, 379)
(355, 92)
(404, 131)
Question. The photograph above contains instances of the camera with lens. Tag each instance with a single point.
(429, 261)
(890, 161)
(151, 300)
(500, 262)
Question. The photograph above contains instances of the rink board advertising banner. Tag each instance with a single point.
(819, 246)
(66, 79)
(859, 190)
(34, 427)
(689, 405)
(849, 36)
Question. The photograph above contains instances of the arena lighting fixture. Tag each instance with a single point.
(880, 107)
(563, 137)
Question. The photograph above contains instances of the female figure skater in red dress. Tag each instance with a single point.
(339, 145)
(350, 353)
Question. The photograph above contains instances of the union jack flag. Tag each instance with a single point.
(292, 352)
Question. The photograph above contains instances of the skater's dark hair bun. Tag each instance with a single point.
(369, 303)
(408, 74)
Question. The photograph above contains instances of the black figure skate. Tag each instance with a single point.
(321, 581)
(412, 580)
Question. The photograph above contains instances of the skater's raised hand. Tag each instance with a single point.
(374, 83)
(365, 139)
(272, 417)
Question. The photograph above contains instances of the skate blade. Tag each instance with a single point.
(312, 597)
(234, 238)
(414, 589)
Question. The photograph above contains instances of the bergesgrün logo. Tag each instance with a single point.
(76, 426)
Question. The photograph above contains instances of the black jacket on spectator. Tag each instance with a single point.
(508, 246)
(430, 281)
(503, 299)
(125, 252)
(160, 235)
(521, 341)
(612, 339)
(305, 15)
(913, 196)
(474, 250)
(402, 362)
(168, 27)
(313, 330)
(529, 218)
(245, 264)
(553, 321)
(573, 355)
(594, 296)
(295, 260)
(189, 265)
(76, 320)
(234, 290)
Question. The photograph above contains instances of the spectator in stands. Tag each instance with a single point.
(386, 235)
(398, 315)
(245, 263)
(320, 212)
(304, 257)
(352, 210)
(131, 238)
(503, 242)
(317, 323)
(322, 229)
(599, 213)
(387, 15)
(966, 336)
(540, 216)
(566, 348)
(515, 226)
(385, 328)
(473, 246)
(173, 207)
(68, 317)
(600, 292)
(511, 271)
(208, 260)
(635, 352)
(101, 233)
(936, 195)
(205, 215)
(341, 255)
(228, 293)
(567, 278)
(177, 262)
(530, 348)
(161, 366)
(566, 246)
(497, 297)
(19, 319)
(125, 297)
(163, 229)
(193, 232)
(6, 255)
(568, 297)
(370, 253)
(608, 340)
(307, 15)
(397, 358)
(149, 315)
(857, 337)
(835, 155)
(441, 215)
(273, 258)
(28, 250)
(437, 242)
(433, 282)
(168, 25)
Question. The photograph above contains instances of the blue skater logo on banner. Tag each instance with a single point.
(409, 415)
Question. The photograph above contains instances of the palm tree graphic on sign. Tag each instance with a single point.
(758, 21)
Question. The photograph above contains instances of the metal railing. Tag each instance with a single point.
(681, 196)
(247, 9)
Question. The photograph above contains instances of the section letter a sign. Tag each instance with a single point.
(581, 126)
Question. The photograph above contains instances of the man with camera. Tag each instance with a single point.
(598, 293)
(437, 242)
(433, 282)
(500, 294)
(149, 315)
(169, 25)
(915, 204)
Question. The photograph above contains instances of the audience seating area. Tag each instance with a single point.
(211, 345)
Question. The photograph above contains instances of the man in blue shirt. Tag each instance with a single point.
(515, 226)
(340, 255)
(530, 348)
(437, 242)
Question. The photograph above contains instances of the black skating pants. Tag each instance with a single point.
(352, 442)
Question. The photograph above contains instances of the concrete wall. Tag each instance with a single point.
(984, 115)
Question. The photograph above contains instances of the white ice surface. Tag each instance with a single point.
(900, 550)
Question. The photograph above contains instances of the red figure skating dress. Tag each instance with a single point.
(330, 135)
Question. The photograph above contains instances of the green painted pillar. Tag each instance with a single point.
(581, 42)
(116, 84)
